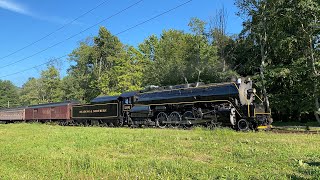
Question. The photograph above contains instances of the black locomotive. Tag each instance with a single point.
(224, 104)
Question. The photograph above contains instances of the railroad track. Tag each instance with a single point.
(284, 130)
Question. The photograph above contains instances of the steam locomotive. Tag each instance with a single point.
(232, 104)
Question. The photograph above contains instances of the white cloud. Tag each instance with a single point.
(22, 9)
(15, 7)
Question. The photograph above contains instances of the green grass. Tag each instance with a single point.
(35, 151)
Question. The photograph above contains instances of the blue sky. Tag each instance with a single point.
(23, 22)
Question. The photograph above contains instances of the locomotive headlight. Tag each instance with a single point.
(254, 90)
(239, 81)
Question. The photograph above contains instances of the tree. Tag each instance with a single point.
(257, 17)
(125, 74)
(30, 92)
(71, 89)
(307, 14)
(105, 67)
(47, 88)
(285, 33)
(9, 94)
(81, 75)
(50, 85)
(177, 57)
(219, 35)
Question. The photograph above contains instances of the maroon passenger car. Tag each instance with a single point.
(49, 112)
(12, 115)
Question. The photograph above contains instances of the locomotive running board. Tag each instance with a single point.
(188, 122)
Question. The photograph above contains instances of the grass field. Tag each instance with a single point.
(38, 151)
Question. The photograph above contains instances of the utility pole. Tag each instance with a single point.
(8, 104)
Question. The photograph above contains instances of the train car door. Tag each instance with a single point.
(126, 107)
(34, 114)
(126, 104)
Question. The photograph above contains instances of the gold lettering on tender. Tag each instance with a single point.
(93, 111)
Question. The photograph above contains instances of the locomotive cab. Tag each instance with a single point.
(126, 102)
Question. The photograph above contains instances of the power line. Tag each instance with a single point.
(154, 17)
(56, 44)
(128, 29)
(35, 66)
(63, 26)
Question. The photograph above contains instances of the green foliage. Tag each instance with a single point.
(197, 26)
(30, 92)
(34, 151)
(8, 94)
(48, 88)
(289, 36)
(105, 68)
(177, 57)
(80, 77)
(50, 85)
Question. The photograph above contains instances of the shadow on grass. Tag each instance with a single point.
(315, 164)
(296, 123)
(311, 171)
(295, 177)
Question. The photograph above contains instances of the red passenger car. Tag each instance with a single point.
(11, 115)
(49, 112)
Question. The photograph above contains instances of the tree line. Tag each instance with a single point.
(277, 48)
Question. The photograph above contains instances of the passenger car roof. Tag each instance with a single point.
(53, 104)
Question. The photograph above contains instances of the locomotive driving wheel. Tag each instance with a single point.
(188, 115)
(120, 122)
(161, 117)
(175, 117)
(243, 125)
(197, 112)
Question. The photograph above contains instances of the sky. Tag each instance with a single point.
(34, 32)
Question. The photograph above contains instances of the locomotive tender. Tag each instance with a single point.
(222, 104)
